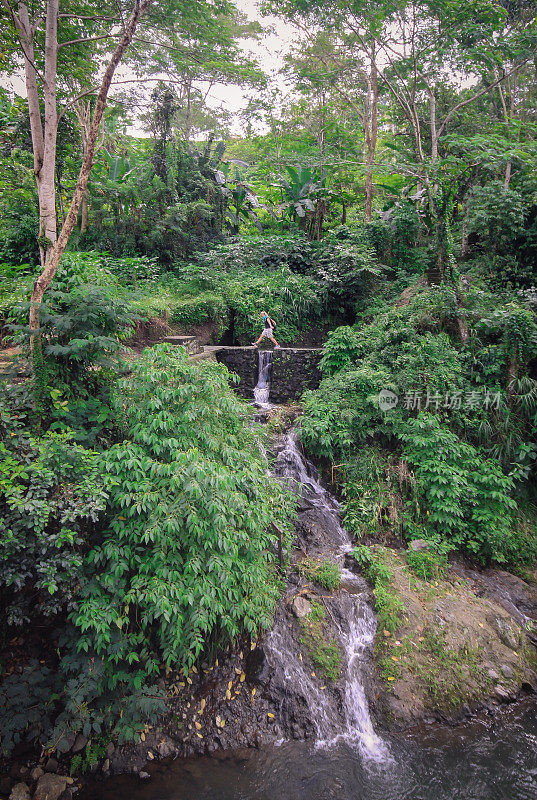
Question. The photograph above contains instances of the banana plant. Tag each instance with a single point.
(118, 167)
(242, 200)
(303, 190)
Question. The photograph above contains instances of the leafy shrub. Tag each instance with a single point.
(466, 497)
(321, 571)
(51, 490)
(345, 411)
(200, 308)
(342, 350)
(427, 564)
(188, 559)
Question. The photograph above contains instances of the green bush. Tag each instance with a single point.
(200, 308)
(427, 564)
(466, 498)
(321, 571)
(51, 492)
(188, 560)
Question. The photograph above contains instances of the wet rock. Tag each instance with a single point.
(502, 693)
(79, 743)
(166, 748)
(20, 792)
(300, 607)
(507, 632)
(50, 787)
(51, 765)
(257, 667)
(36, 773)
(418, 545)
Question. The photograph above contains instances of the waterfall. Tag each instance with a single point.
(262, 390)
(339, 712)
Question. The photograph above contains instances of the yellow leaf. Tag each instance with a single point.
(243, 677)
(230, 684)
(142, 737)
(254, 691)
(228, 695)
(391, 678)
(198, 725)
(300, 656)
(253, 645)
(238, 670)
(269, 715)
(199, 735)
(202, 704)
(189, 680)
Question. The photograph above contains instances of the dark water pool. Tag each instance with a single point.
(489, 759)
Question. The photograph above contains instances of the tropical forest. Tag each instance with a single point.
(268, 399)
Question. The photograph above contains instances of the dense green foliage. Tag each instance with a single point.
(454, 460)
(385, 208)
(158, 548)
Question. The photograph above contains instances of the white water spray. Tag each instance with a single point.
(262, 390)
(336, 716)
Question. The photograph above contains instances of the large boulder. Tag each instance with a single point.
(50, 786)
(301, 607)
(20, 792)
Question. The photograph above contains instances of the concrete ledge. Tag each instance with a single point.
(294, 369)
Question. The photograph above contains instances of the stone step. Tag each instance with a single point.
(189, 342)
(206, 355)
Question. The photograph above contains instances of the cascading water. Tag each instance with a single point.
(340, 713)
(262, 390)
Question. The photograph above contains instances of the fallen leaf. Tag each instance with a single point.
(198, 725)
(243, 677)
(269, 715)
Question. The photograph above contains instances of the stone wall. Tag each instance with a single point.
(294, 369)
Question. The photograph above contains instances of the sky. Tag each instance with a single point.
(269, 51)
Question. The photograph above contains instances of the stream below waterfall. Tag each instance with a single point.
(490, 759)
(343, 756)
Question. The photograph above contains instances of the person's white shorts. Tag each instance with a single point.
(267, 333)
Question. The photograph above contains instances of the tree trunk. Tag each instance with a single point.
(371, 124)
(465, 227)
(45, 279)
(85, 215)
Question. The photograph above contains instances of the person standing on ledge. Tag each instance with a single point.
(268, 330)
